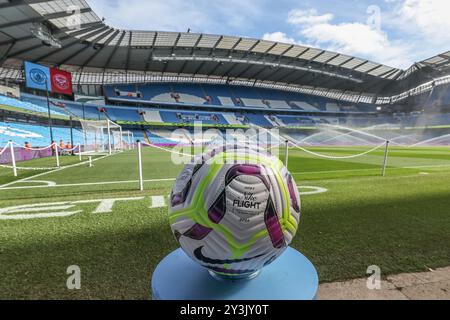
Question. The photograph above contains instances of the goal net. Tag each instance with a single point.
(104, 136)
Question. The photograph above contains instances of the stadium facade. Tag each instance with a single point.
(155, 81)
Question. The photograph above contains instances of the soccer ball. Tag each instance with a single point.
(234, 217)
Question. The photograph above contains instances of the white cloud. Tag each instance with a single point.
(310, 16)
(279, 37)
(429, 19)
(352, 38)
(409, 30)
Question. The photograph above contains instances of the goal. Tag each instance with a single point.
(103, 136)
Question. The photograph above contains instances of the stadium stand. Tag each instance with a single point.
(190, 94)
(64, 107)
(225, 96)
(139, 134)
(28, 104)
(219, 95)
(191, 117)
(36, 135)
(246, 116)
(258, 119)
(152, 116)
(440, 96)
(123, 114)
(161, 137)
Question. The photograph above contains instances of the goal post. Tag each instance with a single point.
(102, 136)
(122, 140)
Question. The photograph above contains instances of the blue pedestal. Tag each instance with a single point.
(291, 277)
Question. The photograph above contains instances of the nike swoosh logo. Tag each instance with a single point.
(199, 255)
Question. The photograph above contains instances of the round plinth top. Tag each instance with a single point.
(291, 277)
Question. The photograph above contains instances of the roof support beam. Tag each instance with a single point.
(100, 37)
(261, 58)
(344, 62)
(316, 56)
(293, 60)
(82, 26)
(73, 43)
(234, 47)
(332, 58)
(28, 49)
(108, 61)
(127, 61)
(228, 55)
(227, 73)
(304, 75)
(387, 73)
(150, 55)
(166, 63)
(254, 76)
(373, 69)
(107, 42)
(61, 62)
(192, 52)
(46, 17)
(211, 53)
(359, 65)
(282, 76)
(175, 43)
(244, 71)
(219, 64)
(5, 55)
(16, 3)
(16, 40)
(284, 52)
(248, 61)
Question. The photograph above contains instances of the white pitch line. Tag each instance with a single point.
(374, 169)
(53, 171)
(86, 184)
(333, 171)
(47, 183)
(435, 166)
(6, 187)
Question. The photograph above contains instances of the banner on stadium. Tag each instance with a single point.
(37, 76)
(48, 79)
(61, 81)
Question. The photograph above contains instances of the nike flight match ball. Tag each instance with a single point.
(234, 217)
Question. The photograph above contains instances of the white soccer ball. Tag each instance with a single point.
(235, 217)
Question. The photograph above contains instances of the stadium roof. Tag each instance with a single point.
(90, 46)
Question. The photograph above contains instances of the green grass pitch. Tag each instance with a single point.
(400, 222)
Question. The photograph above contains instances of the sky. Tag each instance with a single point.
(397, 33)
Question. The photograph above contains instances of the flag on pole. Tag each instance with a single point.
(37, 76)
(61, 81)
(48, 79)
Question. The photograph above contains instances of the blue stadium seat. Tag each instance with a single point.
(220, 95)
(191, 117)
(36, 135)
(123, 114)
(258, 119)
(31, 104)
(190, 94)
(230, 96)
(158, 140)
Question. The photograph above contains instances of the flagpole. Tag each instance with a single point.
(71, 133)
(49, 112)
